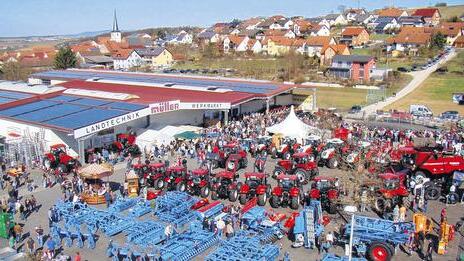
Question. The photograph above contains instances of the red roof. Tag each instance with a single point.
(158, 94)
(425, 12)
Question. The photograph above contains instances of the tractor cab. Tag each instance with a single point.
(225, 177)
(58, 149)
(326, 190)
(311, 144)
(286, 182)
(394, 184)
(225, 185)
(198, 182)
(322, 183)
(176, 171)
(235, 162)
(287, 192)
(198, 175)
(157, 175)
(302, 158)
(175, 178)
(253, 180)
(58, 159)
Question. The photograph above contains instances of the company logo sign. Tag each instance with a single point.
(205, 106)
(161, 107)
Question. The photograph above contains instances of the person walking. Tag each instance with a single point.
(402, 217)
(77, 257)
(39, 232)
(229, 230)
(220, 225)
(18, 231)
(30, 246)
(430, 249)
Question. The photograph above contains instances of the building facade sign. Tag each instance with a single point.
(110, 123)
(161, 107)
(204, 106)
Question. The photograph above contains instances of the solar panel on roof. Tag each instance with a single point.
(14, 95)
(5, 100)
(91, 102)
(63, 98)
(125, 106)
(84, 118)
(27, 108)
(49, 113)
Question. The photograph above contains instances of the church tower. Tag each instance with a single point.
(115, 33)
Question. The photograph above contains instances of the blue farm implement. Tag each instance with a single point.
(244, 248)
(377, 238)
(308, 225)
(267, 231)
(188, 245)
(122, 204)
(176, 208)
(210, 211)
(141, 208)
(146, 233)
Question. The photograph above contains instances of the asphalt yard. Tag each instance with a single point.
(47, 197)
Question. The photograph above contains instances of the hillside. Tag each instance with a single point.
(447, 11)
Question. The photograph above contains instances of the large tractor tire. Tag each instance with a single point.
(159, 184)
(333, 163)
(274, 201)
(181, 187)
(380, 205)
(379, 251)
(242, 199)
(277, 171)
(204, 192)
(286, 156)
(452, 198)
(432, 193)
(302, 176)
(332, 208)
(294, 203)
(63, 169)
(244, 163)
(262, 199)
(233, 195)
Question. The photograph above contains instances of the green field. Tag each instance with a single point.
(436, 92)
(382, 37)
(451, 11)
(340, 98)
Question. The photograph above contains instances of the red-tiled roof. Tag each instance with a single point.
(425, 12)
(154, 94)
(352, 31)
(390, 12)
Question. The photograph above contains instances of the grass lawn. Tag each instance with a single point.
(374, 37)
(361, 51)
(436, 91)
(340, 98)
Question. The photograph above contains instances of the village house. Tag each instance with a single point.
(354, 67)
(181, 38)
(278, 45)
(155, 57)
(352, 13)
(207, 37)
(431, 16)
(139, 40)
(319, 21)
(301, 27)
(450, 30)
(319, 30)
(125, 59)
(250, 24)
(411, 21)
(459, 42)
(254, 46)
(391, 12)
(364, 19)
(336, 19)
(314, 45)
(384, 25)
(235, 43)
(284, 33)
(354, 36)
(409, 40)
(328, 52)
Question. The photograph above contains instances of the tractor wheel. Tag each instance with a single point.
(380, 205)
(432, 193)
(277, 171)
(214, 195)
(302, 176)
(294, 203)
(332, 163)
(332, 208)
(181, 187)
(453, 198)
(47, 163)
(314, 173)
(204, 192)
(244, 163)
(262, 199)
(264, 153)
(379, 251)
(233, 195)
(274, 201)
(420, 177)
(242, 199)
(159, 184)
(286, 156)
(62, 168)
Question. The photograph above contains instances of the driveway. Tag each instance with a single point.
(418, 78)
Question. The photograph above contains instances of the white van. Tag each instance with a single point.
(420, 110)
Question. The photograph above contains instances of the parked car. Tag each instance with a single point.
(450, 115)
(420, 110)
(355, 109)
(403, 69)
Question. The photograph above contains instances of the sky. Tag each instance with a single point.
(51, 17)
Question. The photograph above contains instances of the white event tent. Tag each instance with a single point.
(292, 127)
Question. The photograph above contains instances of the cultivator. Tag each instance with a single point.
(211, 210)
(146, 233)
(242, 247)
(188, 245)
(175, 208)
(141, 208)
(122, 204)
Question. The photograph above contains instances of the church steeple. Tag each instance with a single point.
(115, 22)
(115, 33)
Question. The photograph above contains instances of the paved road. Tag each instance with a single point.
(418, 78)
(48, 197)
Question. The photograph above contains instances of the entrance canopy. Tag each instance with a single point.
(292, 127)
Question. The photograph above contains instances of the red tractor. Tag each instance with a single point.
(125, 143)
(225, 185)
(393, 189)
(332, 153)
(432, 167)
(255, 186)
(229, 150)
(157, 175)
(235, 162)
(176, 178)
(285, 150)
(312, 145)
(325, 189)
(142, 171)
(262, 146)
(287, 192)
(58, 159)
(300, 165)
(198, 182)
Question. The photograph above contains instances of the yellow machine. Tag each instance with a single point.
(422, 223)
(446, 235)
(132, 184)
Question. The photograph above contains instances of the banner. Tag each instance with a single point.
(205, 106)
